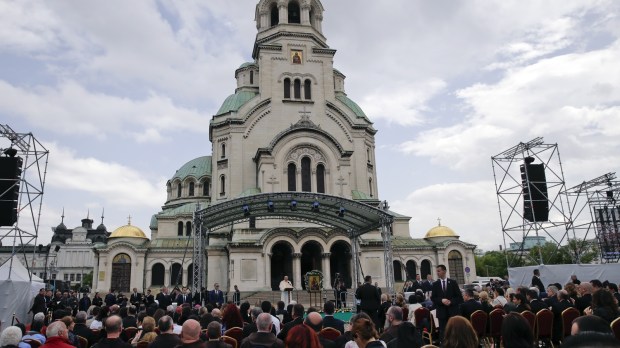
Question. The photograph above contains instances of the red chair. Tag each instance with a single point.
(83, 341)
(531, 319)
(496, 318)
(568, 315)
(329, 333)
(130, 332)
(235, 332)
(544, 326)
(615, 327)
(229, 340)
(419, 316)
(143, 344)
(478, 320)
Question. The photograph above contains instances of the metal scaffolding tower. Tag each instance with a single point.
(523, 193)
(32, 181)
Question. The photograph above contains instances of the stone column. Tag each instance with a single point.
(268, 270)
(297, 271)
(327, 279)
(305, 14)
(283, 11)
(167, 281)
(319, 22)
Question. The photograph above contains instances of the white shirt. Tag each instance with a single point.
(499, 300)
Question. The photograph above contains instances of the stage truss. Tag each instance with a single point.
(600, 197)
(35, 158)
(509, 189)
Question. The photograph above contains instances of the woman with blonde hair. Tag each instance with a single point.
(483, 296)
(459, 333)
(147, 333)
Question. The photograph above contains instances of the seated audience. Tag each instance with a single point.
(166, 337)
(263, 336)
(516, 332)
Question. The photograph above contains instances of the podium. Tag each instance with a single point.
(289, 293)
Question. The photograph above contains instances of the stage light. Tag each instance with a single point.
(293, 205)
(270, 207)
(341, 212)
(56, 248)
(246, 210)
(315, 206)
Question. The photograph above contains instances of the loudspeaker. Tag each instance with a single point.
(10, 173)
(534, 183)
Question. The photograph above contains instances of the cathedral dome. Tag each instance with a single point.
(197, 168)
(440, 231)
(128, 231)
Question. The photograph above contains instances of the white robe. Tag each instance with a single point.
(284, 297)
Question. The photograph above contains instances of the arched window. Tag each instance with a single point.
(251, 77)
(188, 228)
(307, 90)
(191, 189)
(455, 266)
(320, 178)
(297, 89)
(223, 150)
(412, 269)
(293, 12)
(398, 271)
(180, 228)
(291, 172)
(306, 186)
(157, 274)
(179, 190)
(205, 188)
(222, 185)
(370, 186)
(275, 15)
(368, 154)
(176, 272)
(425, 268)
(287, 88)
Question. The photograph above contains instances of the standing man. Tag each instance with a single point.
(135, 298)
(39, 305)
(163, 299)
(216, 296)
(370, 299)
(446, 297)
(84, 303)
(417, 283)
(184, 297)
(110, 299)
(427, 285)
(236, 296)
(285, 284)
(537, 282)
(148, 298)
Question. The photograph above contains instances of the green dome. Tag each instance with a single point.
(235, 101)
(351, 105)
(246, 64)
(196, 168)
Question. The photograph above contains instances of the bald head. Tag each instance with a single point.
(56, 328)
(315, 321)
(190, 331)
(263, 322)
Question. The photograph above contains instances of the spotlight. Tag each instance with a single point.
(270, 207)
(293, 205)
(56, 248)
(341, 212)
(11, 152)
(315, 206)
(246, 210)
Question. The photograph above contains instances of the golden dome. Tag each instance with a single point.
(128, 231)
(440, 231)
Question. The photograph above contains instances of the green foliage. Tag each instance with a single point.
(491, 264)
(87, 280)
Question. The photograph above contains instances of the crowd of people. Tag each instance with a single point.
(207, 319)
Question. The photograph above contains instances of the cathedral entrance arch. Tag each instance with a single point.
(281, 263)
(425, 268)
(412, 269)
(340, 262)
(455, 266)
(311, 255)
(121, 272)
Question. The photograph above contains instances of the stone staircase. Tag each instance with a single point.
(301, 296)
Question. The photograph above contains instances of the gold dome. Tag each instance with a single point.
(440, 231)
(128, 231)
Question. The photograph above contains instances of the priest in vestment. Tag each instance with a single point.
(285, 284)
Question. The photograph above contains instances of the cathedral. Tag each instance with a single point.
(288, 127)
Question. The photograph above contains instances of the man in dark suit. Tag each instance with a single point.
(469, 304)
(298, 319)
(557, 309)
(446, 298)
(81, 329)
(39, 305)
(148, 299)
(537, 282)
(427, 285)
(329, 320)
(184, 297)
(263, 336)
(135, 298)
(163, 299)
(84, 303)
(535, 304)
(585, 299)
(315, 322)
(417, 283)
(216, 296)
(370, 300)
(110, 298)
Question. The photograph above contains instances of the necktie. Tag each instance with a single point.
(443, 285)
(183, 298)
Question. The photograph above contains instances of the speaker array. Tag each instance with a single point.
(10, 174)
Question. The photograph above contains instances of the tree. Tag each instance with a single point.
(492, 263)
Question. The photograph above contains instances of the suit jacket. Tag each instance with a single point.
(84, 303)
(216, 297)
(184, 299)
(110, 299)
(264, 339)
(470, 306)
(427, 286)
(415, 286)
(284, 332)
(583, 302)
(369, 297)
(39, 304)
(536, 305)
(330, 321)
(135, 299)
(453, 293)
(164, 300)
(86, 332)
(538, 283)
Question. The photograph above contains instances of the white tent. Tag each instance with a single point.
(17, 292)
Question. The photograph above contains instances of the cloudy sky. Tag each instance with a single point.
(121, 93)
